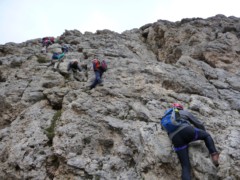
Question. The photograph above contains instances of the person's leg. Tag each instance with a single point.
(97, 80)
(56, 64)
(101, 81)
(76, 75)
(203, 135)
(71, 76)
(47, 46)
(52, 62)
(180, 142)
(206, 137)
(185, 163)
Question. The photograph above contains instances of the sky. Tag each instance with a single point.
(22, 20)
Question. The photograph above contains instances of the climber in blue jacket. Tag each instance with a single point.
(186, 134)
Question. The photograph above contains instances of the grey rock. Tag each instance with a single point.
(52, 126)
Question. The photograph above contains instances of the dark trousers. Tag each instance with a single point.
(98, 76)
(183, 138)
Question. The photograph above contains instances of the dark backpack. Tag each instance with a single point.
(55, 56)
(104, 65)
(65, 48)
(51, 39)
(171, 120)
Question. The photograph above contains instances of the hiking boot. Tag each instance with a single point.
(215, 157)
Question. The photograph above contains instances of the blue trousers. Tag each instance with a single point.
(182, 139)
(98, 77)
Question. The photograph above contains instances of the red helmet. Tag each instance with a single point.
(176, 105)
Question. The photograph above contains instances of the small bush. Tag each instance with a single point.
(50, 131)
(42, 59)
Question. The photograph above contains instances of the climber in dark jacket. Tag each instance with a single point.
(66, 47)
(73, 65)
(72, 68)
(47, 41)
(186, 134)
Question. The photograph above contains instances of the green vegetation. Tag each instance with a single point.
(50, 131)
(97, 177)
(42, 59)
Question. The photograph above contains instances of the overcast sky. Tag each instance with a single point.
(22, 20)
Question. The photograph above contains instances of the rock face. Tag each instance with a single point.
(53, 127)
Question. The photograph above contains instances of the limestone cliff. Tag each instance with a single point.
(52, 127)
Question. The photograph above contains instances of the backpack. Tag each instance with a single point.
(104, 65)
(171, 120)
(55, 56)
(65, 48)
(96, 64)
(51, 39)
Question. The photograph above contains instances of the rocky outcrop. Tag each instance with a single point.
(54, 127)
